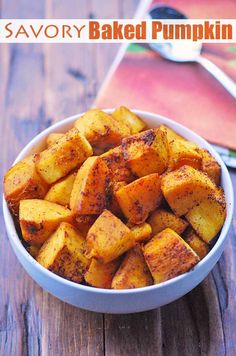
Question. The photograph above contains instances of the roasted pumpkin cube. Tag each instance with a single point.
(101, 129)
(171, 134)
(60, 191)
(210, 166)
(196, 243)
(140, 197)
(66, 154)
(168, 256)
(182, 153)
(64, 253)
(88, 196)
(40, 218)
(115, 161)
(108, 238)
(133, 271)
(186, 187)
(100, 274)
(84, 222)
(53, 138)
(160, 219)
(207, 218)
(134, 123)
(146, 152)
(141, 232)
(22, 181)
(112, 203)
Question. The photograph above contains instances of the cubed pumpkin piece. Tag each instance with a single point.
(210, 166)
(186, 187)
(101, 129)
(115, 161)
(182, 153)
(207, 218)
(60, 191)
(171, 134)
(140, 197)
(64, 253)
(40, 218)
(88, 196)
(135, 124)
(84, 222)
(108, 238)
(22, 181)
(168, 256)
(160, 219)
(141, 232)
(53, 138)
(146, 152)
(133, 271)
(66, 154)
(100, 274)
(196, 243)
(112, 203)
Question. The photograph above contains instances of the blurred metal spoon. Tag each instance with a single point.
(187, 52)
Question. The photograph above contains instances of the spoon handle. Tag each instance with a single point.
(228, 83)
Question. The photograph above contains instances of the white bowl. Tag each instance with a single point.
(122, 301)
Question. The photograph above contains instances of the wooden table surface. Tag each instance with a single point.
(41, 84)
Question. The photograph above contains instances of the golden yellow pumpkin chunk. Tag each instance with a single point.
(186, 187)
(114, 159)
(101, 129)
(141, 232)
(22, 181)
(171, 134)
(196, 243)
(100, 274)
(66, 154)
(63, 253)
(140, 197)
(146, 152)
(88, 196)
(207, 218)
(40, 218)
(108, 238)
(210, 166)
(184, 153)
(160, 219)
(168, 256)
(60, 191)
(133, 271)
(126, 116)
(53, 137)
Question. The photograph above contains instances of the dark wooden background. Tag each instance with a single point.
(39, 85)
